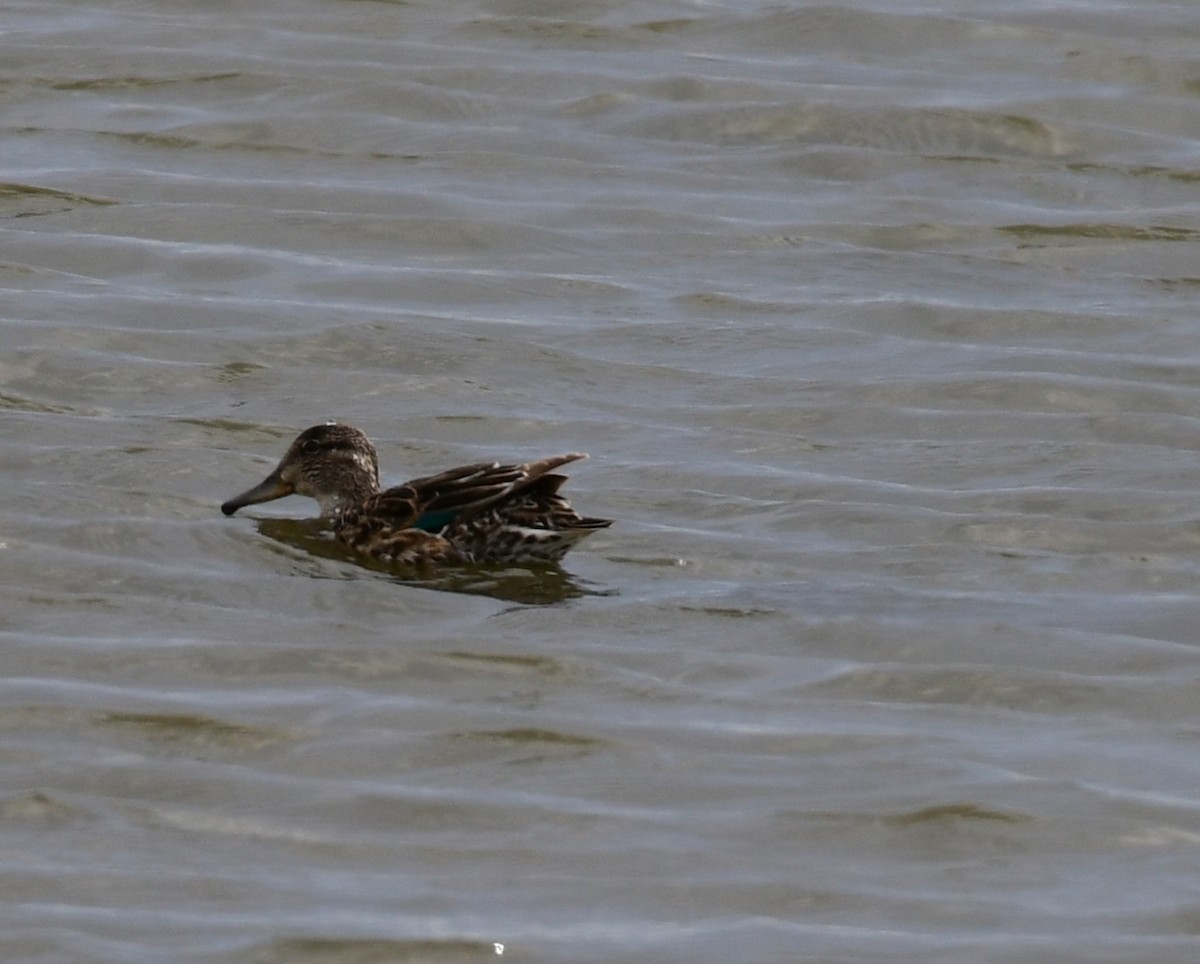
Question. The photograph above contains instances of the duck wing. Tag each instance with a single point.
(532, 525)
(435, 501)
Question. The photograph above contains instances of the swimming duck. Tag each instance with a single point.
(484, 512)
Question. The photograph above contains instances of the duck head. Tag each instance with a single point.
(335, 464)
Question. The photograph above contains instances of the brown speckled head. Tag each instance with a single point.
(335, 464)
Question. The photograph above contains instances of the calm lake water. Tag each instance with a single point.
(879, 321)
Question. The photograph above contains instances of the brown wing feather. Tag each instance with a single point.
(539, 506)
(382, 525)
(470, 488)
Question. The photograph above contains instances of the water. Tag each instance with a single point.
(879, 324)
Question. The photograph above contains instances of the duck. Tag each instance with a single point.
(484, 512)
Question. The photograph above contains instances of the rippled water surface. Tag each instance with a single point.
(879, 321)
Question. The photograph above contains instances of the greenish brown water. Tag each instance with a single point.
(879, 324)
